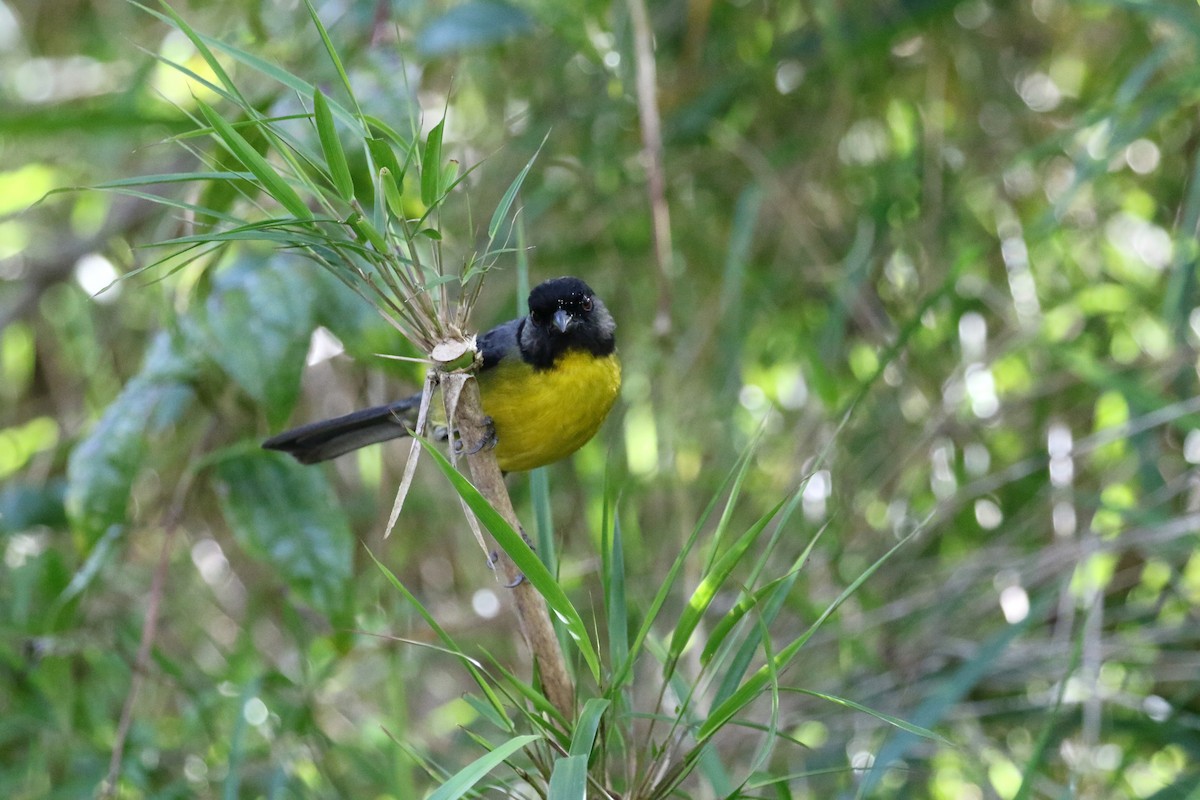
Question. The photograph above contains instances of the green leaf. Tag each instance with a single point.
(463, 780)
(733, 482)
(720, 715)
(385, 157)
(773, 594)
(712, 582)
(102, 468)
(335, 156)
(205, 46)
(26, 505)
(510, 195)
(568, 781)
(367, 232)
(526, 560)
(472, 25)
(613, 555)
(272, 182)
(331, 51)
(431, 169)
(172, 17)
(471, 665)
(173, 177)
(896, 722)
(489, 712)
(255, 325)
(287, 516)
(585, 728)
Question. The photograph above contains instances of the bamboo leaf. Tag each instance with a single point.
(613, 553)
(526, 560)
(465, 779)
(895, 722)
(723, 712)
(568, 781)
(431, 170)
(510, 195)
(706, 591)
(272, 182)
(734, 480)
(172, 17)
(452, 646)
(335, 156)
(585, 728)
(331, 51)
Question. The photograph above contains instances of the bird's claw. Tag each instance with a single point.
(488, 440)
(515, 582)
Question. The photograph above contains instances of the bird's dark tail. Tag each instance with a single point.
(321, 441)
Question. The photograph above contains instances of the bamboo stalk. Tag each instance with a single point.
(472, 426)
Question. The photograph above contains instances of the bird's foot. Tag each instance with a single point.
(487, 440)
(515, 582)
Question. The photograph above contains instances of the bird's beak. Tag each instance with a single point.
(562, 320)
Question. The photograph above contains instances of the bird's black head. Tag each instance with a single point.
(565, 314)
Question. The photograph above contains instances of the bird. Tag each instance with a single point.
(547, 382)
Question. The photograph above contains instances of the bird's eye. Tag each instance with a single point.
(586, 303)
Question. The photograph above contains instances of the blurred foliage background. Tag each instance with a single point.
(942, 253)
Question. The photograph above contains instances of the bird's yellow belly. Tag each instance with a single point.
(543, 416)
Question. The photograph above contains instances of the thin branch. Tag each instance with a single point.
(532, 612)
(652, 160)
(171, 524)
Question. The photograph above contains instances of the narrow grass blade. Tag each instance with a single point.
(712, 582)
(744, 655)
(613, 556)
(173, 18)
(568, 781)
(734, 480)
(431, 166)
(725, 711)
(284, 78)
(465, 779)
(585, 728)
(751, 601)
(272, 181)
(502, 208)
(168, 177)
(526, 560)
(542, 709)
(539, 495)
(488, 712)
(331, 146)
(470, 664)
(331, 51)
(895, 722)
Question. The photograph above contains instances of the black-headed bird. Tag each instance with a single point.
(547, 381)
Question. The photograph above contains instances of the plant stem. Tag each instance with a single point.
(473, 426)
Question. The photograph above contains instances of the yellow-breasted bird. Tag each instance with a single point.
(547, 381)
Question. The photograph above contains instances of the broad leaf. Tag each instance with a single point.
(288, 516)
(102, 468)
